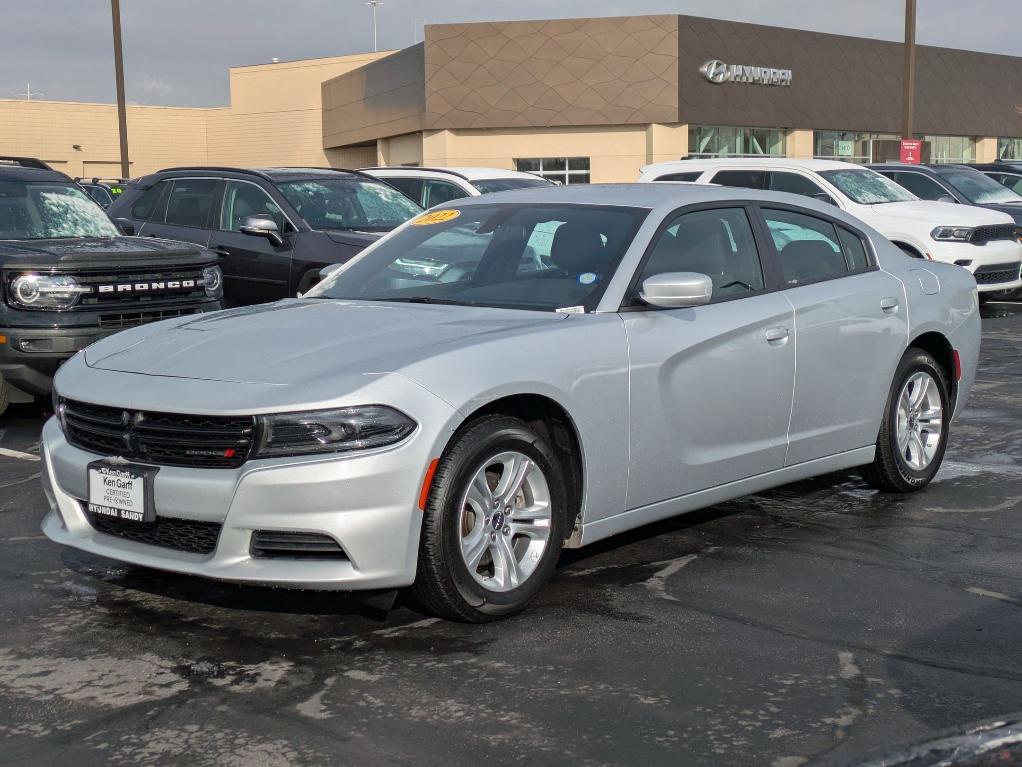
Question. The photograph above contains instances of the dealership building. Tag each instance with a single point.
(577, 100)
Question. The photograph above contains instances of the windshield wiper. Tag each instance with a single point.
(422, 300)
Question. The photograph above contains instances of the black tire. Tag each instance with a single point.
(443, 584)
(890, 471)
(4, 396)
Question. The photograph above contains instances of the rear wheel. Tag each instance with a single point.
(494, 522)
(914, 432)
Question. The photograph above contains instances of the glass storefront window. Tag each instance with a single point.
(1009, 149)
(951, 148)
(720, 141)
(563, 170)
(849, 146)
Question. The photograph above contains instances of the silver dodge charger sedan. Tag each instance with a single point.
(506, 376)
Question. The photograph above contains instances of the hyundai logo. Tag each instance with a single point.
(717, 72)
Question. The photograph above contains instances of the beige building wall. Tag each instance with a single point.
(986, 149)
(799, 143)
(616, 152)
(50, 130)
(400, 150)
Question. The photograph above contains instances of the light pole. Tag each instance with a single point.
(909, 76)
(374, 4)
(28, 95)
(122, 113)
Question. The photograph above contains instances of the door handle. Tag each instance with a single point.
(773, 335)
(889, 305)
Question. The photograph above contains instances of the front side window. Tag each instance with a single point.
(242, 200)
(1009, 180)
(536, 257)
(349, 204)
(144, 207)
(562, 170)
(410, 187)
(99, 194)
(866, 187)
(977, 188)
(436, 192)
(921, 186)
(809, 247)
(39, 211)
(190, 202)
(718, 243)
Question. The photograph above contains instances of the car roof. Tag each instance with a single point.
(267, 174)
(466, 173)
(20, 173)
(932, 168)
(637, 195)
(679, 166)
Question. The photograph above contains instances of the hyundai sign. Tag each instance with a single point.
(717, 72)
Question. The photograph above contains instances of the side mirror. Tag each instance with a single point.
(675, 290)
(327, 270)
(947, 198)
(126, 225)
(824, 197)
(262, 226)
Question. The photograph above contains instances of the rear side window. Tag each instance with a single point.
(190, 201)
(855, 250)
(746, 179)
(717, 243)
(808, 247)
(438, 192)
(145, 205)
(687, 176)
(411, 187)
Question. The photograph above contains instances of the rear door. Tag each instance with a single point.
(710, 386)
(850, 331)
(186, 212)
(255, 270)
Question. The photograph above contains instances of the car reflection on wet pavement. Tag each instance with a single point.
(820, 622)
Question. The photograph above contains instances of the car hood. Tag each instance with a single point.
(1013, 209)
(942, 213)
(305, 341)
(87, 251)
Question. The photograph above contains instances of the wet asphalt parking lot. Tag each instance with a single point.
(817, 623)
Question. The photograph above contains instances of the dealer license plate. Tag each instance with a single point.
(122, 491)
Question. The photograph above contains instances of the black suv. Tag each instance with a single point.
(274, 229)
(69, 277)
(1005, 172)
(953, 183)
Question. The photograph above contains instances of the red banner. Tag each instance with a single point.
(911, 151)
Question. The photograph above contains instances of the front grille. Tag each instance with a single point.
(981, 235)
(134, 319)
(271, 543)
(188, 535)
(996, 273)
(168, 439)
(150, 286)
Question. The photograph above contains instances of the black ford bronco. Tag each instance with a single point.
(69, 277)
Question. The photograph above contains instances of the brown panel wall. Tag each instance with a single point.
(384, 98)
(844, 83)
(616, 71)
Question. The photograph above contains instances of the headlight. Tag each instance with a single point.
(330, 431)
(46, 291)
(952, 233)
(58, 408)
(213, 280)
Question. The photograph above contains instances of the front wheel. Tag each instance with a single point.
(914, 432)
(494, 522)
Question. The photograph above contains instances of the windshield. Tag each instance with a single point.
(540, 257)
(867, 187)
(349, 203)
(487, 185)
(40, 211)
(979, 188)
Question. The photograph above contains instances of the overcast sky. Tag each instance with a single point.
(177, 51)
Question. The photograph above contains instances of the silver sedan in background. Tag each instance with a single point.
(506, 376)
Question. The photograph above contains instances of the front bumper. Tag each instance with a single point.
(366, 502)
(1002, 258)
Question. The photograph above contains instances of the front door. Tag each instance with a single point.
(711, 386)
(851, 330)
(255, 270)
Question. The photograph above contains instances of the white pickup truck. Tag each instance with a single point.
(985, 242)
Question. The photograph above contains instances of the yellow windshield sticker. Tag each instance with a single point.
(436, 217)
